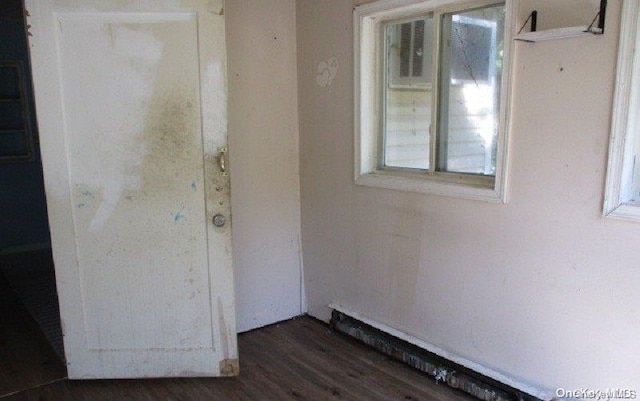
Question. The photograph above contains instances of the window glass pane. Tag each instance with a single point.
(407, 94)
(469, 97)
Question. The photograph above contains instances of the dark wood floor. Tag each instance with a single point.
(300, 359)
(26, 358)
(31, 276)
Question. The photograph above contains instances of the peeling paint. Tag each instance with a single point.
(111, 176)
(327, 70)
(136, 169)
(216, 7)
(179, 217)
(222, 324)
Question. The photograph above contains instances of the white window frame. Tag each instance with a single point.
(368, 87)
(625, 119)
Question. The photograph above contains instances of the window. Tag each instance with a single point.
(622, 193)
(432, 95)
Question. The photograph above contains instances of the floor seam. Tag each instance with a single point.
(33, 387)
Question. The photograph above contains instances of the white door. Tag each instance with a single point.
(131, 101)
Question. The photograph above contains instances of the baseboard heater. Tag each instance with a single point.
(441, 369)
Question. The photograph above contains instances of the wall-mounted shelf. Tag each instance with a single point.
(558, 33)
(562, 33)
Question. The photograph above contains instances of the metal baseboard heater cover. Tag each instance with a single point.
(441, 369)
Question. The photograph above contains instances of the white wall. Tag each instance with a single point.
(263, 146)
(542, 288)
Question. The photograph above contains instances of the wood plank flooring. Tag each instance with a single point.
(26, 358)
(300, 359)
(31, 276)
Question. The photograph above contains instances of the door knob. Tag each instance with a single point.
(219, 220)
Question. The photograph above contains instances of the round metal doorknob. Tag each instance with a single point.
(219, 220)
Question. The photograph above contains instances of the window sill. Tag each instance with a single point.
(425, 184)
(626, 211)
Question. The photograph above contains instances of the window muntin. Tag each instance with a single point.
(467, 102)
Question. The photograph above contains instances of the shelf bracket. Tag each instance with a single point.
(600, 17)
(533, 17)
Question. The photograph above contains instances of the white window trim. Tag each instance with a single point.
(625, 116)
(367, 75)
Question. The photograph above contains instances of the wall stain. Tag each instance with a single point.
(224, 340)
(167, 178)
(179, 217)
(84, 197)
(215, 7)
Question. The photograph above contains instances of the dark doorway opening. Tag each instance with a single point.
(31, 318)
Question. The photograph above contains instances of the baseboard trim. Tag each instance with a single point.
(457, 372)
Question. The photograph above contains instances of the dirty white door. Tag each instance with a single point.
(131, 102)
